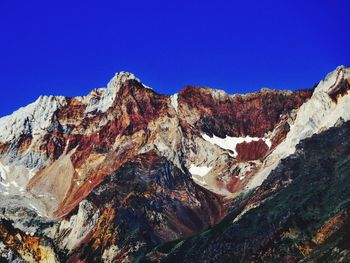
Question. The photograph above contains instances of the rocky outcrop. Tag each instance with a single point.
(254, 150)
(318, 114)
(71, 233)
(149, 200)
(20, 247)
(216, 113)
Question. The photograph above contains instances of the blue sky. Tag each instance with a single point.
(70, 47)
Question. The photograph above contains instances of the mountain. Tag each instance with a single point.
(125, 174)
(301, 212)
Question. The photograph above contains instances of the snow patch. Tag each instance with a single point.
(199, 170)
(174, 101)
(13, 178)
(32, 172)
(147, 87)
(244, 169)
(200, 181)
(268, 142)
(230, 143)
(3, 172)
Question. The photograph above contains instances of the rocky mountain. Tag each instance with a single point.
(125, 174)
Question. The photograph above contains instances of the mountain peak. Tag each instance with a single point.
(129, 75)
(118, 80)
(334, 80)
(121, 77)
(108, 95)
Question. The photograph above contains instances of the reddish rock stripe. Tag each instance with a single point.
(342, 89)
(247, 151)
(240, 115)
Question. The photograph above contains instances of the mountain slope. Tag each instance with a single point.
(111, 175)
(301, 212)
(88, 138)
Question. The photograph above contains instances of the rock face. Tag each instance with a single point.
(319, 113)
(251, 150)
(252, 114)
(300, 212)
(111, 175)
(17, 246)
(150, 201)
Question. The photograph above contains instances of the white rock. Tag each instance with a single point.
(32, 119)
(3, 172)
(147, 87)
(79, 225)
(317, 114)
(109, 94)
(174, 101)
(199, 170)
(230, 143)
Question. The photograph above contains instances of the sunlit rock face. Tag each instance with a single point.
(300, 213)
(123, 169)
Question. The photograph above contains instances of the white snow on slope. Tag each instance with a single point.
(147, 87)
(230, 143)
(12, 179)
(173, 100)
(198, 173)
(199, 170)
(3, 172)
(109, 94)
(34, 118)
(317, 114)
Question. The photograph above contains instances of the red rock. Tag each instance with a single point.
(254, 150)
(240, 115)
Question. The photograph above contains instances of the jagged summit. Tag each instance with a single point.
(109, 94)
(38, 114)
(34, 118)
(122, 76)
(101, 100)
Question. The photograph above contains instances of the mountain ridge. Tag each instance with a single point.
(113, 174)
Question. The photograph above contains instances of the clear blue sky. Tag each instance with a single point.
(70, 47)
